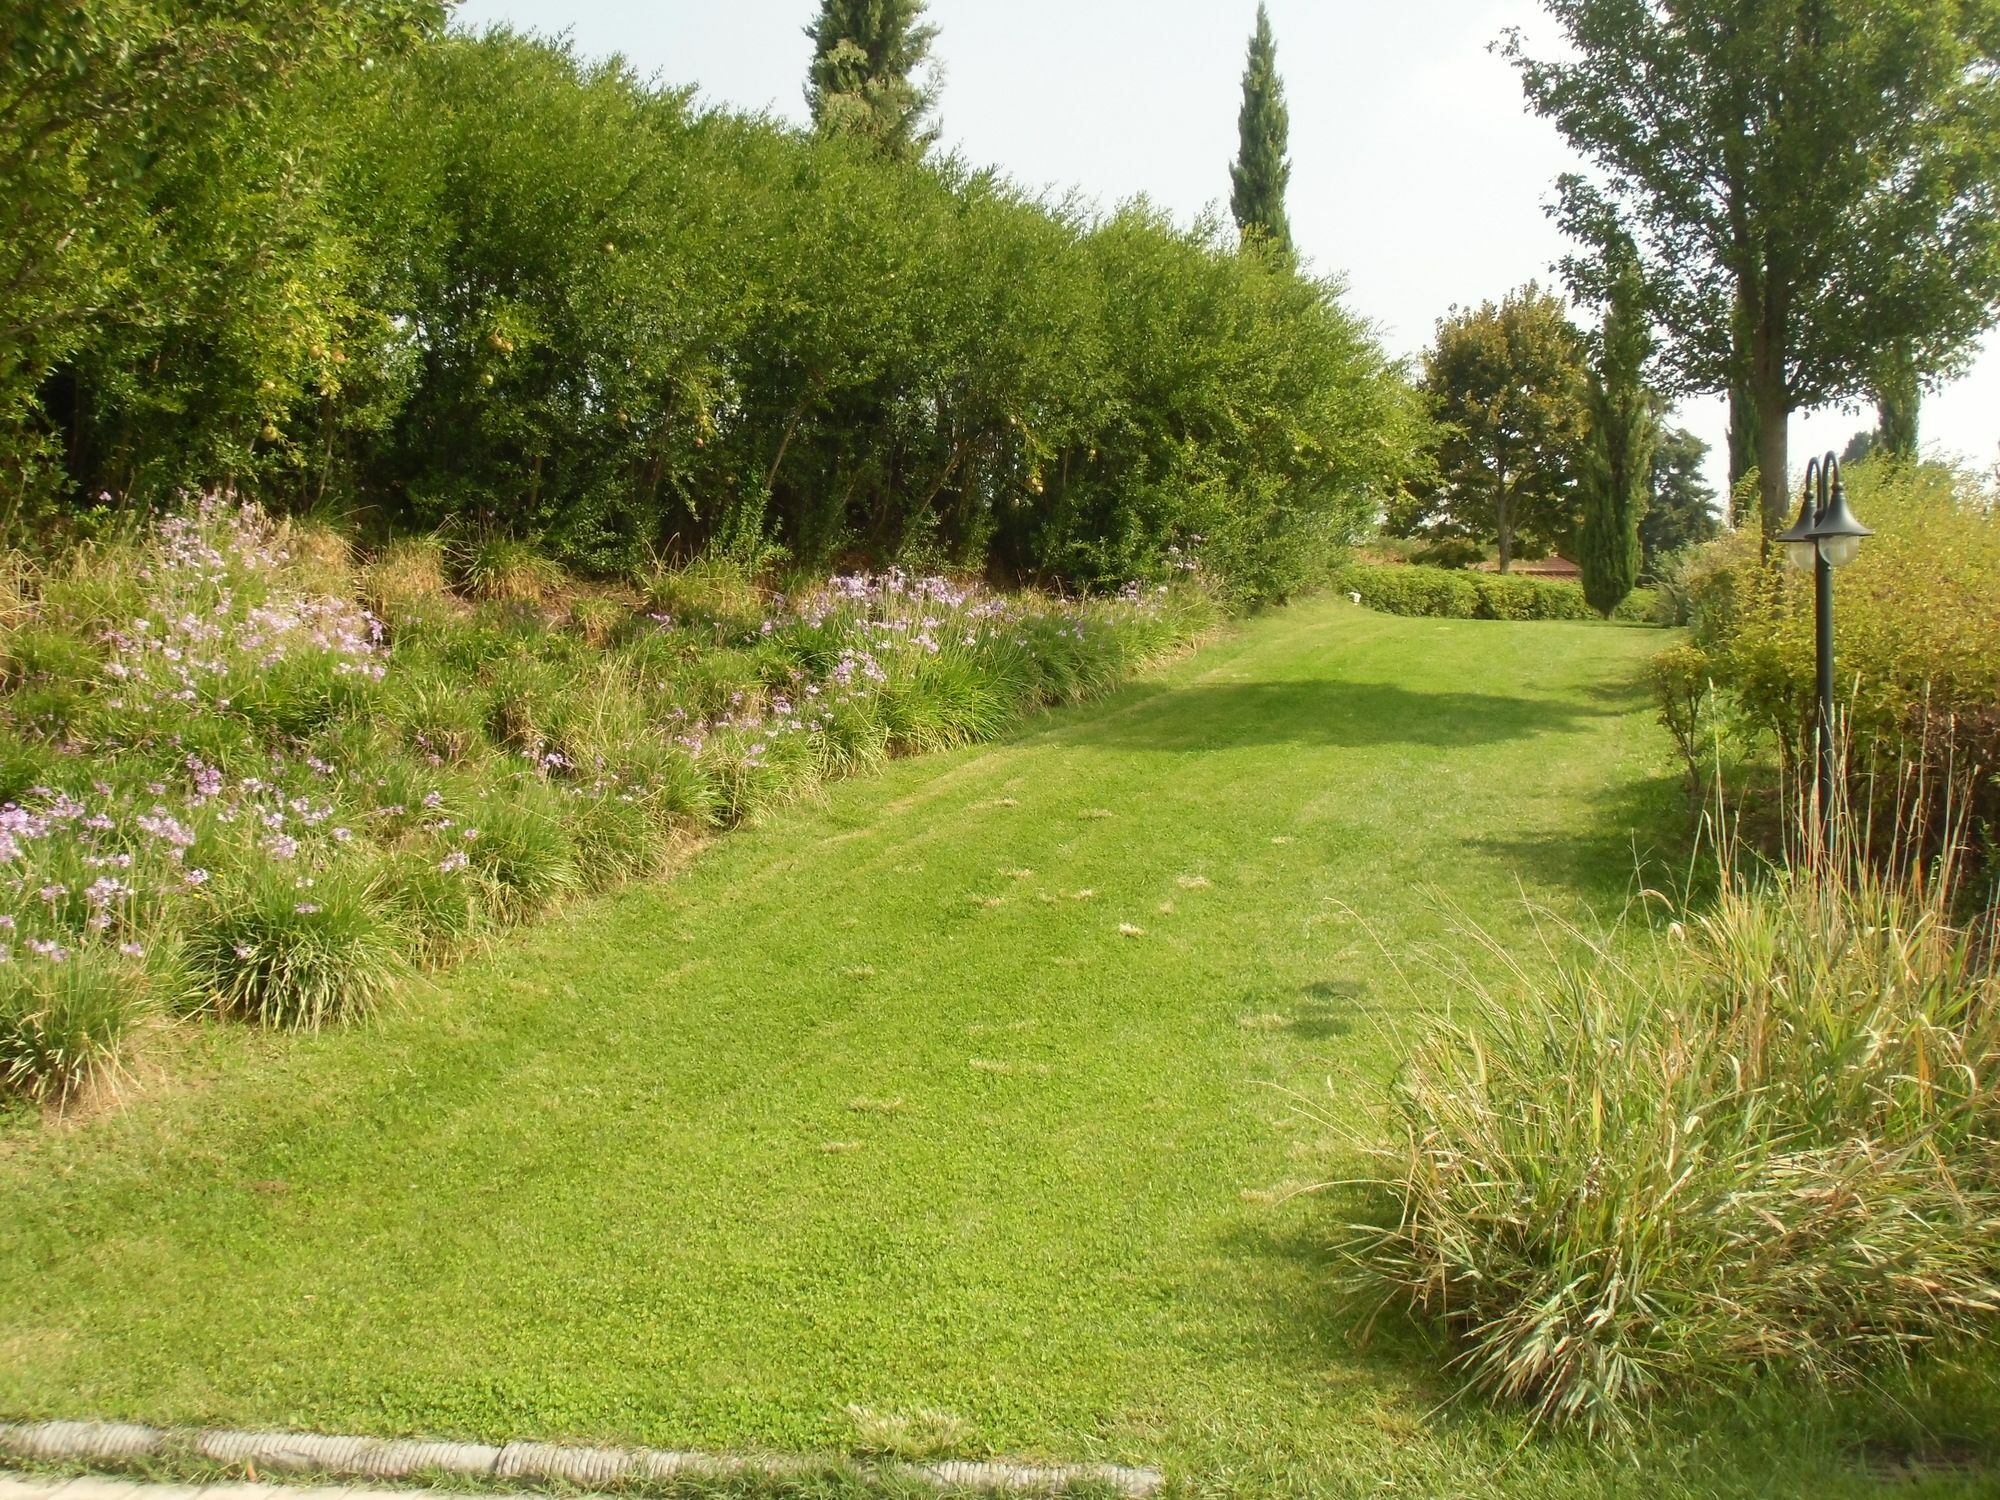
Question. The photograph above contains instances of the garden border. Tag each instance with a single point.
(407, 1458)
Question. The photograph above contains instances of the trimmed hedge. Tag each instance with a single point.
(1450, 593)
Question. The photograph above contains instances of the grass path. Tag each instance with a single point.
(966, 1089)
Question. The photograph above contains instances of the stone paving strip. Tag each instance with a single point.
(412, 1458)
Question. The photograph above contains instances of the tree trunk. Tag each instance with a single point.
(1503, 516)
(1773, 414)
(1742, 440)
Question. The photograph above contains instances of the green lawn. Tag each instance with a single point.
(973, 1088)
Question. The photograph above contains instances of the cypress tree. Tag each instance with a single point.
(1262, 172)
(1617, 461)
(862, 80)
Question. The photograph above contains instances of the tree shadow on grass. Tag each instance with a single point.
(1636, 835)
(1359, 715)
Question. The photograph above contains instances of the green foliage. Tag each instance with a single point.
(1898, 400)
(1808, 185)
(862, 81)
(160, 255)
(64, 1020)
(1618, 458)
(1756, 1142)
(285, 946)
(1506, 386)
(1917, 641)
(1682, 679)
(1680, 505)
(1458, 594)
(1262, 171)
(490, 287)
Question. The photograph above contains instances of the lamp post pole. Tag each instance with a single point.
(1823, 640)
(1824, 537)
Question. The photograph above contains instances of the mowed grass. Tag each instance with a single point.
(974, 1089)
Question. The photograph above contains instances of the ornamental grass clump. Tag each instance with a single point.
(294, 950)
(1760, 1141)
(65, 1017)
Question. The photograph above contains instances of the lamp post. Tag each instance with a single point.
(1824, 537)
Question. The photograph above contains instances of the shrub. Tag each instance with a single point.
(431, 896)
(1761, 1140)
(598, 618)
(64, 1020)
(407, 573)
(1919, 634)
(1682, 679)
(1643, 606)
(435, 714)
(286, 947)
(1453, 594)
(514, 839)
(614, 835)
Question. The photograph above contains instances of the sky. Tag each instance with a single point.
(1417, 174)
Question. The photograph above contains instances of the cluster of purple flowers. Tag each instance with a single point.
(218, 616)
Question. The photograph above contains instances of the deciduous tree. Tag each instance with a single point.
(1506, 384)
(1810, 183)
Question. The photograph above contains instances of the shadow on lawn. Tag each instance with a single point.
(1300, 1304)
(1638, 834)
(1358, 715)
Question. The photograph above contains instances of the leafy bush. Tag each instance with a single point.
(484, 283)
(1462, 595)
(1760, 1140)
(1918, 634)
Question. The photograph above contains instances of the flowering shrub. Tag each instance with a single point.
(259, 797)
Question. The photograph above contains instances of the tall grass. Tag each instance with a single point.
(1758, 1140)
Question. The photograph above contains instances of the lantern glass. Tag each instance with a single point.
(1801, 555)
(1839, 551)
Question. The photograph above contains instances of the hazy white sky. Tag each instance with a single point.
(1417, 174)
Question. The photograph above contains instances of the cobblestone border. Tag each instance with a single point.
(406, 1458)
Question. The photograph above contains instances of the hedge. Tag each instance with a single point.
(1449, 593)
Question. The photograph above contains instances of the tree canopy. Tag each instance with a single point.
(1809, 182)
(1680, 503)
(863, 80)
(1262, 171)
(1617, 459)
(1506, 385)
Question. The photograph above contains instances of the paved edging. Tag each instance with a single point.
(406, 1458)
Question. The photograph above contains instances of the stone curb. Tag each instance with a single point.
(404, 1458)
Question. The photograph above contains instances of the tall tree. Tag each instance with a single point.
(1506, 384)
(1617, 460)
(1262, 170)
(1898, 400)
(1680, 504)
(863, 77)
(104, 101)
(1809, 182)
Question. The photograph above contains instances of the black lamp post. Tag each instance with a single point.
(1824, 537)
